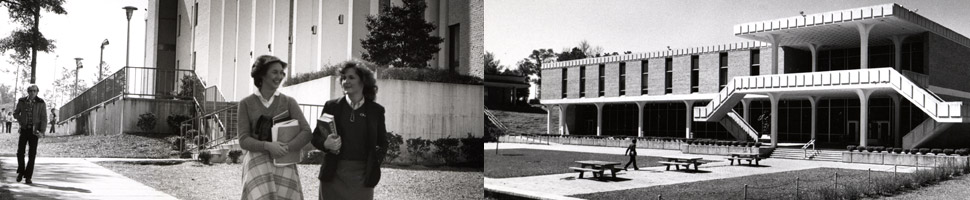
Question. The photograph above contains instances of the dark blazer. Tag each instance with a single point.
(376, 138)
(39, 114)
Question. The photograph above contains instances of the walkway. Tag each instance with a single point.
(556, 186)
(71, 178)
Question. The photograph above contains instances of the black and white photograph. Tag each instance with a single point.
(242, 99)
(719, 99)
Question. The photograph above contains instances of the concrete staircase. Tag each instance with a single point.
(799, 154)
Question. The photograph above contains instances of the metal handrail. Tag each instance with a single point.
(805, 148)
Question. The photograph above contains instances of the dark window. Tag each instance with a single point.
(178, 27)
(643, 77)
(622, 80)
(599, 86)
(694, 73)
(195, 14)
(453, 46)
(755, 62)
(582, 81)
(723, 72)
(193, 60)
(668, 78)
(564, 82)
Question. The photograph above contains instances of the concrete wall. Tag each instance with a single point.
(477, 29)
(946, 63)
(413, 108)
(334, 36)
(104, 120)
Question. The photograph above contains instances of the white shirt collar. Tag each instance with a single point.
(353, 105)
(271, 99)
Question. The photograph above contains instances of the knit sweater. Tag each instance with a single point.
(250, 108)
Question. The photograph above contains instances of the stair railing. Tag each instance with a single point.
(815, 152)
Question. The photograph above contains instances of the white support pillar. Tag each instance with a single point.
(774, 98)
(549, 119)
(897, 136)
(599, 119)
(775, 42)
(898, 51)
(562, 119)
(690, 118)
(863, 115)
(864, 29)
(640, 119)
(814, 48)
(814, 101)
(745, 106)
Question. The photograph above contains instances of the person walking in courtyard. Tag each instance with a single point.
(32, 115)
(353, 168)
(53, 120)
(3, 120)
(632, 152)
(262, 178)
(10, 121)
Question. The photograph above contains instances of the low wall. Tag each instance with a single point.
(723, 150)
(118, 116)
(413, 109)
(927, 160)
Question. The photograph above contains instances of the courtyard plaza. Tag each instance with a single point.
(559, 186)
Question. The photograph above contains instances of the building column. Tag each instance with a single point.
(814, 48)
(775, 42)
(562, 119)
(897, 136)
(599, 119)
(814, 101)
(640, 117)
(774, 98)
(690, 118)
(898, 51)
(549, 119)
(863, 114)
(864, 44)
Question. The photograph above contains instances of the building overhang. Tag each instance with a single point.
(633, 99)
(839, 29)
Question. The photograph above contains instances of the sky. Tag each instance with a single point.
(79, 33)
(513, 28)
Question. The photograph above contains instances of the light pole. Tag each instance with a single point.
(101, 60)
(79, 66)
(128, 11)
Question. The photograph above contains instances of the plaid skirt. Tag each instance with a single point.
(263, 180)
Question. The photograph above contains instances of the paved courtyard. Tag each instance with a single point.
(558, 186)
(71, 178)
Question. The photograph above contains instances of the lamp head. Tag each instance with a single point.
(129, 10)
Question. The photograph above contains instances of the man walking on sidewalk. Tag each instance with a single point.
(632, 151)
(31, 113)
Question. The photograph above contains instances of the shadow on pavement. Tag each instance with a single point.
(69, 189)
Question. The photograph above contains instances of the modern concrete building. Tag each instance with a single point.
(219, 39)
(871, 76)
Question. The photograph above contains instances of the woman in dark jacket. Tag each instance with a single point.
(352, 165)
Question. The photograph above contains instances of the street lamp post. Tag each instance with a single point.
(101, 60)
(79, 66)
(128, 11)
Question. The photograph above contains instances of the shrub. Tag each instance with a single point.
(174, 120)
(394, 142)
(879, 149)
(757, 144)
(948, 151)
(906, 151)
(204, 156)
(924, 150)
(304, 77)
(447, 149)
(234, 155)
(936, 151)
(850, 147)
(750, 144)
(962, 152)
(418, 148)
(870, 149)
(146, 122)
(426, 75)
(897, 150)
(185, 154)
(472, 150)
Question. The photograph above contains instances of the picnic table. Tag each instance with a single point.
(677, 161)
(745, 156)
(596, 167)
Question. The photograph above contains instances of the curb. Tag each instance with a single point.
(525, 193)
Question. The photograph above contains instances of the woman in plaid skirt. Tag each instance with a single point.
(261, 178)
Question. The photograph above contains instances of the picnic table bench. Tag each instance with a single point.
(745, 156)
(596, 168)
(678, 161)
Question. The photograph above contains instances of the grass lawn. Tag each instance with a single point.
(530, 162)
(191, 180)
(104, 146)
(530, 123)
(764, 186)
(951, 189)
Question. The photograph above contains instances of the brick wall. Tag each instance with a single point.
(572, 90)
(681, 75)
(592, 81)
(633, 78)
(657, 73)
(709, 69)
(739, 63)
(612, 82)
(947, 63)
(551, 84)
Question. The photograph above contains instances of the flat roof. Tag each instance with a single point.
(656, 54)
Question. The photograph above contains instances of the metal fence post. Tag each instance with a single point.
(745, 194)
(869, 178)
(796, 187)
(660, 197)
(837, 182)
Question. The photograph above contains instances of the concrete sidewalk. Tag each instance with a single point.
(556, 186)
(71, 178)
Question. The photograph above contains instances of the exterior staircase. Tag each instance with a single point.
(923, 133)
(799, 154)
(738, 127)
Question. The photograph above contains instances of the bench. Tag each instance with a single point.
(583, 170)
(747, 159)
(678, 164)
